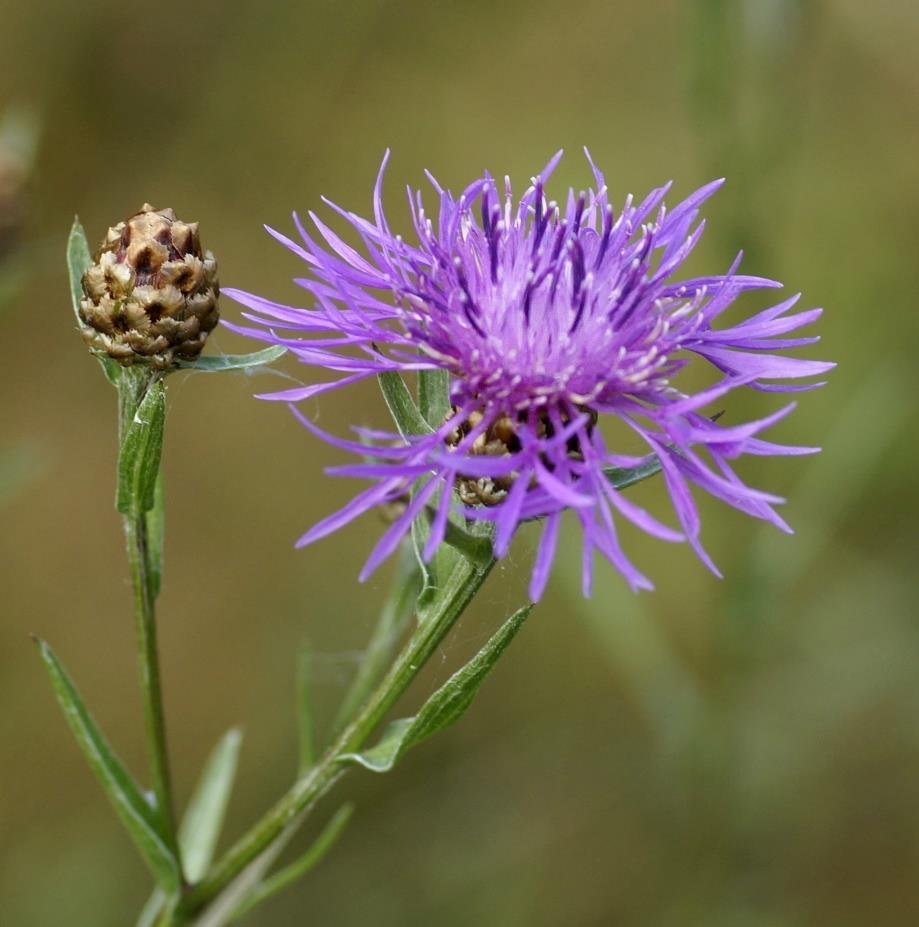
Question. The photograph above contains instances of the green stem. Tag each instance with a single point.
(435, 623)
(132, 386)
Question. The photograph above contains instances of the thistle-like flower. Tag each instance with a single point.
(151, 294)
(547, 319)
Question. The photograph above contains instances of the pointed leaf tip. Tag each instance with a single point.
(79, 258)
(444, 707)
(401, 405)
(135, 812)
(204, 817)
(217, 363)
(141, 450)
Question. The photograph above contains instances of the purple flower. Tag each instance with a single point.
(547, 318)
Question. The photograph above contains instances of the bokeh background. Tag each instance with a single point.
(737, 753)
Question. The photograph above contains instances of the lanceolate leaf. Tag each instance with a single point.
(141, 448)
(475, 548)
(444, 707)
(78, 259)
(401, 406)
(300, 867)
(623, 477)
(151, 910)
(428, 571)
(215, 363)
(434, 396)
(136, 814)
(435, 571)
(204, 817)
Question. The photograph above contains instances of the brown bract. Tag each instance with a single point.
(499, 440)
(151, 295)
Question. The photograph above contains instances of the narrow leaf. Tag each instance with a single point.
(305, 726)
(421, 529)
(300, 867)
(204, 816)
(444, 707)
(623, 477)
(202, 821)
(401, 406)
(475, 548)
(452, 699)
(434, 396)
(151, 910)
(383, 755)
(139, 458)
(78, 259)
(215, 363)
(135, 812)
(410, 421)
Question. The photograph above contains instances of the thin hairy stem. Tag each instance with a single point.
(132, 386)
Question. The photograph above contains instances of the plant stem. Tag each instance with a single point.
(132, 386)
(434, 624)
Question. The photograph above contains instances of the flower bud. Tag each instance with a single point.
(151, 294)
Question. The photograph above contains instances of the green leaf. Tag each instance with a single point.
(402, 407)
(141, 448)
(300, 867)
(444, 707)
(410, 421)
(305, 727)
(204, 816)
(428, 570)
(475, 548)
(622, 478)
(151, 910)
(202, 821)
(434, 396)
(78, 259)
(215, 363)
(136, 813)
(155, 531)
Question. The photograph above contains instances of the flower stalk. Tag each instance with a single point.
(133, 386)
(434, 623)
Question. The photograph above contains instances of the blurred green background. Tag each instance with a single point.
(737, 753)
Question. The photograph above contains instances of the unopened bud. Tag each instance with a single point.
(151, 295)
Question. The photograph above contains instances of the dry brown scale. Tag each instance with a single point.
(151, 295)
(499, 439)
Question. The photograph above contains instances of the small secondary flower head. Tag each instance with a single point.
(548, 318)
(151, 294)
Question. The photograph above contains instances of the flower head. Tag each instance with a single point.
(151, 294)
(547, 319)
